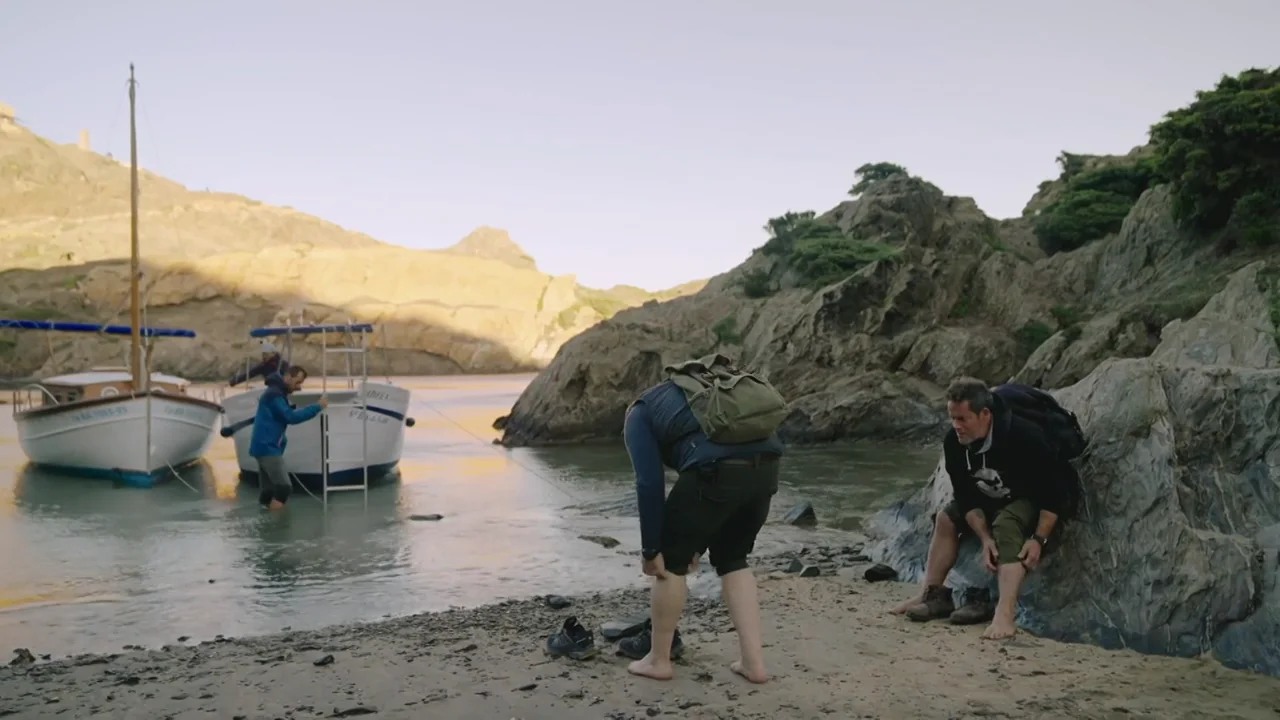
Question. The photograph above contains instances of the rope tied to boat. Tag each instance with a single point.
(181, 479)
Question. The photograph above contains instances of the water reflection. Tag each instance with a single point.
(309, 544)
(99, 502)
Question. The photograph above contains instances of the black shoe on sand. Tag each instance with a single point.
(572, 641)
(638, 646)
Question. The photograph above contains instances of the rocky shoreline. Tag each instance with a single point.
(833, 649)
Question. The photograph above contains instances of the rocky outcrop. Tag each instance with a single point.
(221, 264)
(1175, 548)
(493, 244)
(865, 356)
(836, 352)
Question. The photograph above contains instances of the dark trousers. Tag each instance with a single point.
(720, 508)
(273, 479)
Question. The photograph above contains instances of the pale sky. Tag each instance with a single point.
(640, 143)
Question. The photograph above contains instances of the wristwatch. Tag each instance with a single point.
(649, 554)
(1040, 539)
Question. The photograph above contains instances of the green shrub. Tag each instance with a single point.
(1256, 219)
(871, 173)
(1066, 315)
(726, 331)
(1032, 335)
(788, 229)
(1221, 149)
(757, 284)
(1093, 204)
(822, 261)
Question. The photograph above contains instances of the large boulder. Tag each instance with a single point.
(1175, 548)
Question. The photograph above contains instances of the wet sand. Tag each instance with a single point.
(832, 646)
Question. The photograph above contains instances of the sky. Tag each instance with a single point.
(637, 143)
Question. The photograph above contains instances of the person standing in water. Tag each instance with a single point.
(267, 445)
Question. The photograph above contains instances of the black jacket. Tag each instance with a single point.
(1017, 463)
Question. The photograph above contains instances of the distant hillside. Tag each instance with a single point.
(220, 264)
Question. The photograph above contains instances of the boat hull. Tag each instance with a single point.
(386, 415)
(106, 437)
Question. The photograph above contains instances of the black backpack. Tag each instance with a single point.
(1060, 426)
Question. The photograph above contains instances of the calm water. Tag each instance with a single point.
(87, 567)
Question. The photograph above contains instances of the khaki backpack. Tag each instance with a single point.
(731, 405)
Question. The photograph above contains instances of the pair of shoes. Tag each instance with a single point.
(572, 641)
(937, 604)
(977, 608)
(638, 646)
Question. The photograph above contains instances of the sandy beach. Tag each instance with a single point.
(832, 646)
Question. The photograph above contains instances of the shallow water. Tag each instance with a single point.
(87, 567)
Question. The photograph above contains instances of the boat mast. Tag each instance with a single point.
(135, 271)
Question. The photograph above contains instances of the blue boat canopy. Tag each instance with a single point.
(310, 330)
(56, 326)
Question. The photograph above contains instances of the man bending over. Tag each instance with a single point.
(1009, 491)
(720, 501)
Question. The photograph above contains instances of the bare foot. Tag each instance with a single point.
(650, 668)
(276, 504)
(902, 609)
(756, 676)
(1001, 627)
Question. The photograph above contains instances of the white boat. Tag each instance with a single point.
(94, 424)
(363, 425)
(131, 425)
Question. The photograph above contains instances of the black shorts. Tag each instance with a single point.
(720, 508)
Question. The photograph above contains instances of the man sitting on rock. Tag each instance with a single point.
(1009, 486)
(720, 501)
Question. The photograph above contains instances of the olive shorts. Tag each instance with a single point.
(1011, 524)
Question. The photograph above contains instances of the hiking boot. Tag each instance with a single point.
(936, 604)
(572, 641)
(638, 646)
(977, 608)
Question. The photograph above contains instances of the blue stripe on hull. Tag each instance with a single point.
(236, 427)
(125, 478)
(313, 481)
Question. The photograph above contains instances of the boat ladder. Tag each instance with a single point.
(354, 343)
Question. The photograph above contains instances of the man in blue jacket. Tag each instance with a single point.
(720, 502)
(267, 445)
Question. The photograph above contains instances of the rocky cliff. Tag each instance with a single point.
(221, 264)
(1177, 548)
(932, 288)
(860, 315)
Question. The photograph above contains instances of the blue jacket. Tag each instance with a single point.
(659, 430)
(274, 416)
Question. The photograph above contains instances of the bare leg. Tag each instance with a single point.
(1005, 624)
(944, 548)
(666, 603)
(744, 610)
